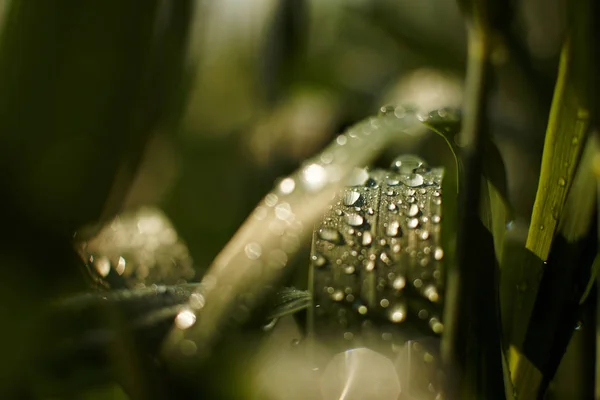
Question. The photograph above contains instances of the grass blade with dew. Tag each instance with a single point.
(565, 135)
(255, 257)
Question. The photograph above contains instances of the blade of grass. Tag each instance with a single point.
(567, 125)
(471, 353)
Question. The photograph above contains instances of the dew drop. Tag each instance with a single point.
(436, 326)
(385, 258)
(436, 219)
(314, 177)
(399, 283)
(562, 182)
(337, 295)
(438, 253)
(384, 303)
(392, 207)
(393, 182)
(431, 293)
(287, 186)
(414, 180)
(398, 314)
(393, 229)
(185, 319)
(351, 198)
(358, 177)
(354, 220)
(413, 223)
(362, 310)
(367, 238)
(413, 210)
(406, 164)
(370, 265)
(253, 251)
(331, 235)
(349, 269)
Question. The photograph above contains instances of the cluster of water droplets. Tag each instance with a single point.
(138, 248)
(377, 257)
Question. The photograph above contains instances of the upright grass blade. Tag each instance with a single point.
(567, 126)
(471, 353)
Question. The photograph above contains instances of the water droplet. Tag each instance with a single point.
(431, 293)
(414, 180)
(354, 220)
(413, 223)
(384, 303)
(392, 207)
(417, 283)
(271, 199)
(367, 238)
(370, 265)
(358, 177)
(400, 112)
(185, 319)
(406, 164)
(342, 140)
(314, 177)
(370, 211)
(424, 235)
(337, 295)
(385, 258)
(319, 260)
(393, 229)
(331, 235)
(287, 186)
(385, 110)
(399, 283)
(351, 198)
(362, 310)
(436, 326)
(349, 269)
(562, 182)
(542, 227)
(253, 251)
(438, 253)
(413, 210)
(436, 219)
(283, 211)
(393, 182)
(102, 266)
(579, 325)
(398, 314)
(423, 314)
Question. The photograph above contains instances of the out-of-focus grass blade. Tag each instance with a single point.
(82, 86)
